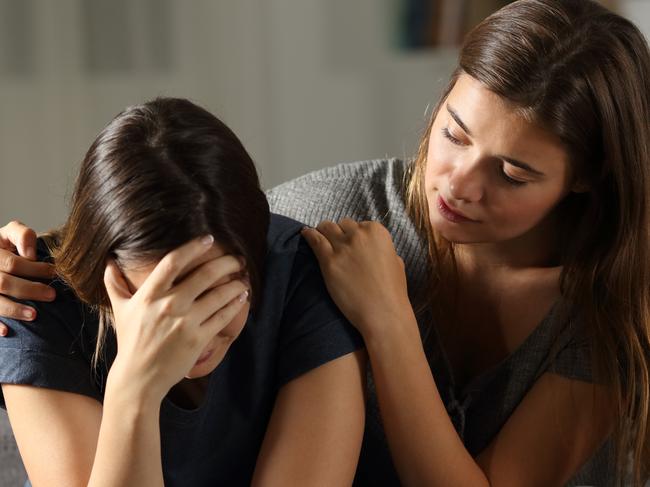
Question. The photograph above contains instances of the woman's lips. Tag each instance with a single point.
(451, 215)
(205, 356)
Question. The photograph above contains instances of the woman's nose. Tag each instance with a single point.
(465, 182)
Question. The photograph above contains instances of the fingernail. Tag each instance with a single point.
(304, 228)
(207, 240)
(243, 296)
(50, 293)
(3, 331)
(28, 313)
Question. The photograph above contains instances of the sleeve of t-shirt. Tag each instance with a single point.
(52, 351)
(313, 330)
(573, 359)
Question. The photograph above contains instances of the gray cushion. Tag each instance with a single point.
(12, 472)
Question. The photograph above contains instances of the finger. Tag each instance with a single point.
(318, 242)
(20, 266)
(330, 229)
(16, 311)
(116, 286)
(215, 299)
(4, 329)
(18, 288)
(174, 264)
(222, 318)
(349, 226)
(208, 275)
(20, 237)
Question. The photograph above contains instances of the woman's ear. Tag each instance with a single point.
(117, 286)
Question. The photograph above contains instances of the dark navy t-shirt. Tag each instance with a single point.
(297, 328)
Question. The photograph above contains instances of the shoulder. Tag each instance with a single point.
(308, 329)
(54, 350)
(363, 190)
(289, 257)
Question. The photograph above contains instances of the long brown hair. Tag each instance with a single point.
(582, 73)
(159, 175)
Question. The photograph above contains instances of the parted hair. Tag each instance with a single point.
(158, 175)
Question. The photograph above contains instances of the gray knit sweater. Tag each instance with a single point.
(374, 190)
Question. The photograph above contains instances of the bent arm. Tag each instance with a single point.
(69, 439)
(56, 433)
(558, 425)
(315, 432)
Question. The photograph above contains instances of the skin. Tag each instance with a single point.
(165, 318)
(135, 276)
(508, 278)
(18, 269)
(512, 216)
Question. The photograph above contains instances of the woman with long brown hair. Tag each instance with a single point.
(203, 353)
(505, 311)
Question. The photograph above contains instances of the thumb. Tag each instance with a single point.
(116, 286)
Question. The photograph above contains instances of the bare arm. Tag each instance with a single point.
(161, 330)
(559, 424)
(68, 439)
(56, 433)
(315, 433)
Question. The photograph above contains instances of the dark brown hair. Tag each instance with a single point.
(159, 175)
(582, 73)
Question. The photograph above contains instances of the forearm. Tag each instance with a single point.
(128, 447)
(424, 445)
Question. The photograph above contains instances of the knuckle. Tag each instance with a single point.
(9, 263)
(171, 265)
(5, 257)
(9, 309)
(28, 234)
(324, 224)
(167, 307)
(215, 271)
(4, 283)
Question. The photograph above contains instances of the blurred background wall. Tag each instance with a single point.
(304, 83)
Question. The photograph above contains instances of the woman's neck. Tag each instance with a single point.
(538, 248)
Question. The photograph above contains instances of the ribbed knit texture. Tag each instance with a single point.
(374, 190)
(367, 190)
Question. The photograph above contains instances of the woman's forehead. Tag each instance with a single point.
(500, 126)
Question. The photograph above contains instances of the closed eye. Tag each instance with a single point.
(509, 179)
(447, 134)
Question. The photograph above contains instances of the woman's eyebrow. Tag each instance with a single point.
(454, 115)
(509, 160)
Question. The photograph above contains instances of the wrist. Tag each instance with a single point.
(125, 388)
(392, 332)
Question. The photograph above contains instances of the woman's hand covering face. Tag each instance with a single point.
(164, 326)
(18, 270)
